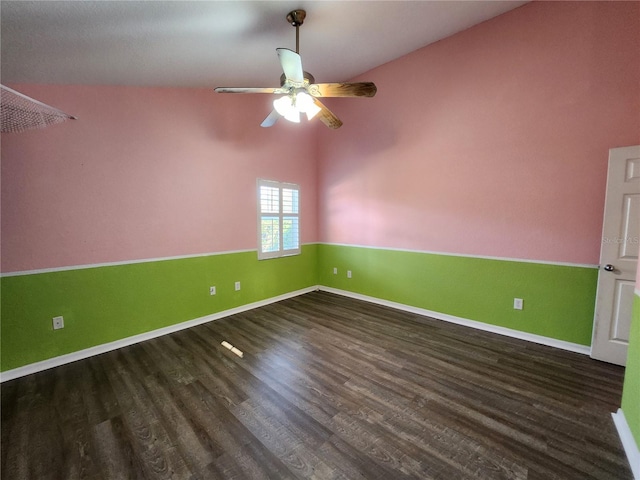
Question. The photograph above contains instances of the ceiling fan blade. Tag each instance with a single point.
(271, 119)
(291, 64)
(326, 116)
(246, 90)
(359, 89)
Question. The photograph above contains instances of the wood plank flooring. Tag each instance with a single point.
(328, 388)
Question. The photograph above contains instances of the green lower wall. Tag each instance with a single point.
(105, 304)
(558, 300)
(110, 303)
(631, 391)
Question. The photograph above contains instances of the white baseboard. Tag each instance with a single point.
(107, 347)
(628, 442)
(551, 342)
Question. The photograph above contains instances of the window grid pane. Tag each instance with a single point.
(289, 200)
(269, 200)
(290, 233)
(270, 234)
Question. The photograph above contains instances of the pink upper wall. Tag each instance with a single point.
(491, 142)
(145, 173)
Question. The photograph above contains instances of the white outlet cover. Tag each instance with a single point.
(237, 286)
(212, 290)
(335, 271)
(58, 323)
(348, 273)
(518, 303)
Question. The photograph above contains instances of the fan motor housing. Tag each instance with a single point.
(307, 76)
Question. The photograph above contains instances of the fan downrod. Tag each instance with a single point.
(296, 18)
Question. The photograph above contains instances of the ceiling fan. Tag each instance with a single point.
(299, 90)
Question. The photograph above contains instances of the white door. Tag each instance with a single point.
(618, 257)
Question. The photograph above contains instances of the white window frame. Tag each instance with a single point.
(280, 252)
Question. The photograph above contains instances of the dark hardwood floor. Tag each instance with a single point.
(328, 387)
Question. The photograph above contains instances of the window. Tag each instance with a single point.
(278, 219)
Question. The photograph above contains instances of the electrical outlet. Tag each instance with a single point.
(237, 286)
(335, 270)
(348, 273)
(518, 303)
(212, 290)
(58, 323)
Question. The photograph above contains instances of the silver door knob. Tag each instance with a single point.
(609, 268)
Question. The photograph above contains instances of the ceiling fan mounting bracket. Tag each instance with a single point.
(296, 17)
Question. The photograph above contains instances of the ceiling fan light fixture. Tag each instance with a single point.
(291, 106)
(285, 107)
(305, 104)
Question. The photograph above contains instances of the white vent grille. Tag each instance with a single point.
(20, 113)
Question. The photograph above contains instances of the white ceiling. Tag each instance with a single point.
(217, 43)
